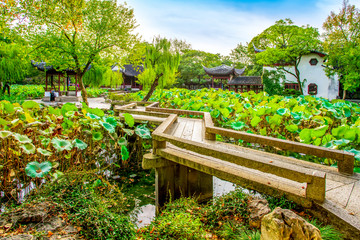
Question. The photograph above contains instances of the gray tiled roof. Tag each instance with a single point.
(246, 80)
(223, 70)
(129, 70)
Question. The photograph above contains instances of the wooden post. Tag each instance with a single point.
(46, 82)
(212, 82)
(76, 87)
(59, 85)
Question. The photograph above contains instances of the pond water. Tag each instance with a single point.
(144, 214)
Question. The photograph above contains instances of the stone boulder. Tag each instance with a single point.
(258, 208)
(284, 224)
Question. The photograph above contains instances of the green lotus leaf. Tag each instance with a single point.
(5, 134)
(123, 142)
(339, 132)
(1, 167)
(3, 122)
(346, 112)
(255, 121)
(70, 114)
(305, 135)
(79, 144)
(68, 107)
(260, 112)
(9, 108)
(124, 153)
(263, 131)
(319, 131)
(54, 111)
(44, 152)
(129, 120)
(28, 148)
(97, 136)
(30, 105)
(292, 128)
(247, 105)
(61, 144)
(225, 112)
(356, 152)
(56, 175)
(357, 169)
(110, 128)
(327, 138)
(215, 113)
(38, 170)
(97, 111)
(92, 116)
(45, 142)
(337, 143)
(275, 120)
(112, 121)
(238, 125)
(22, 138)
(282, 111)
(143, 132)
(327, 105)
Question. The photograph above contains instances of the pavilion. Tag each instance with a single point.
(62, 87)
(223, 72)
(130, 76)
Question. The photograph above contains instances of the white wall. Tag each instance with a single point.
(327, 87)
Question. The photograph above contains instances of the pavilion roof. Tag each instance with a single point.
(129, 70)
(223, 70)
(246, 80)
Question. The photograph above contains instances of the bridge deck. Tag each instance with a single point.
(342, 198)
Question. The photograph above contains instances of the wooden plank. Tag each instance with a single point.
(346, 160)
(175, 111)
(141, 111)
(248, 160)
(166, 124)
(180, 128)
(198, 131)
(248, 178)
(188, 130)
(142, 118)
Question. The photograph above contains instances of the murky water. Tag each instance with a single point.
(143, 215)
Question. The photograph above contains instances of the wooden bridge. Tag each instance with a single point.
(186, 155)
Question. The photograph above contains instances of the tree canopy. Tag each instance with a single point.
(285, 44)
(342, 43)
(160, 66)
(75, 33)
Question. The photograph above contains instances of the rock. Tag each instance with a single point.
(258, 208)
(19, 237)
(285, 224)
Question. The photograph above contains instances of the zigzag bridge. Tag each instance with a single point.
(186, 155)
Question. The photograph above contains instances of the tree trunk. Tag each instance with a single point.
(83, 90)
(297, 72)
(344, 94)
(6, 86)
(152, 89)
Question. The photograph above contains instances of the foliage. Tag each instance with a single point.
(342, 43)
(89, 201)
(160, 65)
(311, 120)
(66, 137)
(240, 56)
(272, 83)
(75, 34)
(327, 231)
(27, 91)
(95, 92)
(285, 44)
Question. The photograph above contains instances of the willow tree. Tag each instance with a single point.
(75, 33)
(285, 45)
(161, 65)
(342, 42)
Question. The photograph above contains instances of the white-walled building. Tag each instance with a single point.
(317, 83)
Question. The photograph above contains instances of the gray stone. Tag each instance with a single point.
(258, 208)
(19, 237)
(284, 224)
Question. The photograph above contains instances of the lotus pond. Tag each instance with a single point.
(312, 120)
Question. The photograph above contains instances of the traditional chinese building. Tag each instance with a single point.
(246, 84)
(130, 73)
(223, 72)
(64, 83)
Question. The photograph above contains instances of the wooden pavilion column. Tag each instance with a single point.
(46, 81)
(59, 85)
(212, 82)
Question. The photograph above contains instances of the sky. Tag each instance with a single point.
(218, 26)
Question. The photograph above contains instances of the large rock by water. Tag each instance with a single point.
(283, 224)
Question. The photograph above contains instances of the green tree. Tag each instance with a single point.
(240, 56)
(342, 43)
(160, 65)
(76, 33)
(285, 44)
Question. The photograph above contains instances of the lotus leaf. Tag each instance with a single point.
(45, 142)
(92, 116)
(123, 142)
(292, 128)
(22, 138)
(305, 135)
(319, 131)
(238, 125)
(67, 107)
(110, 128)
(70, 114)
(275, 120)
(111, 120)
(61, 144)
(98, 112)
(28, 148)
(3, 122)
(282, 111)
(143, 132)
(255, 121)
(38, 170)
(225, 112)
(56, 112)
(129, 120)
(9, 108)
(44, 152)
(5, 134)
(124, 153)
(215, 113)
(79, 144)
(263, 131)
(346, 112)
(97, 136)
(247, 105)
(356, 152)
(30, 105)
(56, 175)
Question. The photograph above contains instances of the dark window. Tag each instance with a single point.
(312, 89)
(313, 61)
(292, 86)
